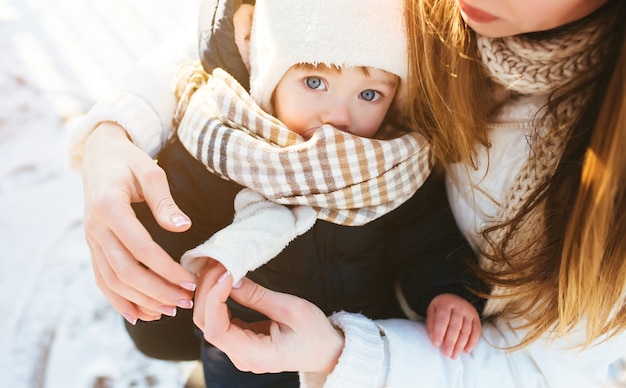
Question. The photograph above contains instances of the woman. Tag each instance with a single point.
(546, 212)
(541, 151)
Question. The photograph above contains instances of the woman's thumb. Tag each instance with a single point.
(256, 297)
(165, 211)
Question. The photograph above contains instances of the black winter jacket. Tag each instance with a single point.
(351, 268)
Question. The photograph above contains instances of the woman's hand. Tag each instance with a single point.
(298, 336)
(138, 278)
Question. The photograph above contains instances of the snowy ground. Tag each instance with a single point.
(56, 57)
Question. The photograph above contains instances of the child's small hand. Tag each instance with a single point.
(453, 324)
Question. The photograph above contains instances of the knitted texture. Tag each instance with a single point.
(364, 359)
(347, 179)
(537, 67)
(531, 66)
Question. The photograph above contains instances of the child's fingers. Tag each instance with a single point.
(463, 337)
(474, 336)
(437, 322)
(452, 335)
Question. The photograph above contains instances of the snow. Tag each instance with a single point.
(56, 58)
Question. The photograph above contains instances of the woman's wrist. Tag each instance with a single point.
(103, 132)
(100, 144)
(108, 128)
(139, 120)
(336, 349)
(361, 359)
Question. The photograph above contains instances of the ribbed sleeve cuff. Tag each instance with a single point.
(135, 115)
(364, 361)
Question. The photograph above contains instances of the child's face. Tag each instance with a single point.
(351, 99)
(499, 18)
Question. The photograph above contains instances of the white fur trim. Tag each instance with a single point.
(332, 32)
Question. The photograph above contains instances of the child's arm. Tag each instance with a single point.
(434, 267)
(432, 255)
(260, 230)
(453, 324)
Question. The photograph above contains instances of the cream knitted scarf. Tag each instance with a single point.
(527, 66)
(536, 67)
(347, 179)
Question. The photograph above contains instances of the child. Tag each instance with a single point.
(329, 74)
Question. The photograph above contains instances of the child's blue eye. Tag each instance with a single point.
(370, 95)
(314, 83)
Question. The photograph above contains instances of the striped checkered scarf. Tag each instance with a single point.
(346, 179)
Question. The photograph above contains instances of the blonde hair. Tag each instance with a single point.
(579, 270)
(190, 77)
(597, 224)
(446, 84)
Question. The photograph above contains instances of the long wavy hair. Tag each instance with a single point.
(578, 271)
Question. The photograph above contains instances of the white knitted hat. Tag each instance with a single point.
(331, 32)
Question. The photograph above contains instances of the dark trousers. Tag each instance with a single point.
(220, 372)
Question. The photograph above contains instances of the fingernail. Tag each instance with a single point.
(130, 319)
(180, 220)
(184, 303)
(189, 286)
(237, 284)
(167, 310)
(222, 278)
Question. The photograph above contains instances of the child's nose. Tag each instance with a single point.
(337, 114)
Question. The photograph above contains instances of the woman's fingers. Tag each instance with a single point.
(212, 272)
(112, 210)
(249, 350)
(154, 188)
(131, 269)
(121, 273)
(127, 242)
(297, 337)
